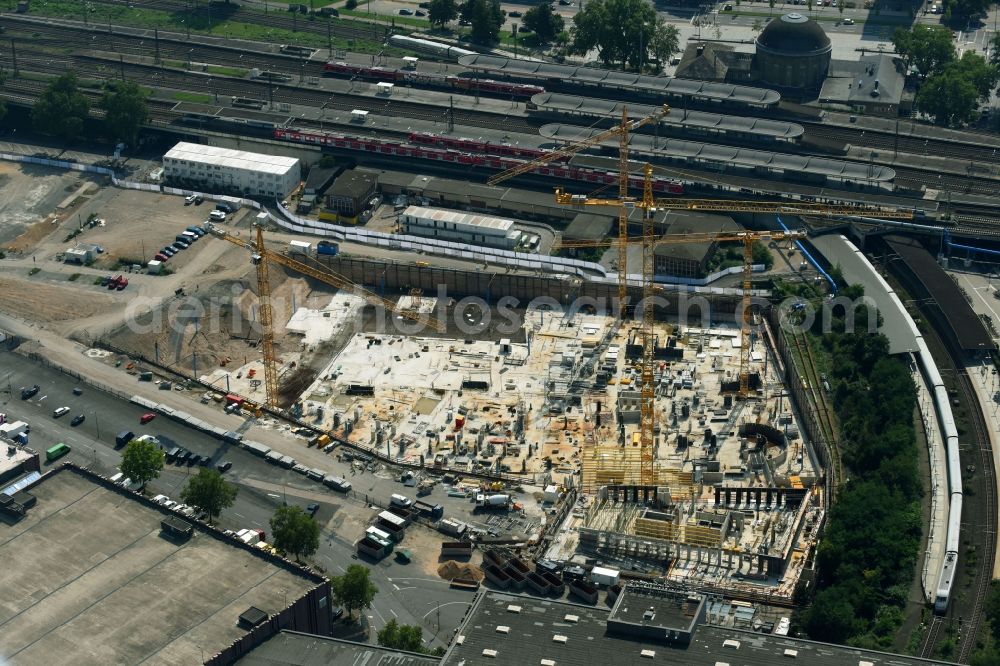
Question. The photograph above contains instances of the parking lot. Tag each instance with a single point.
(411, 593)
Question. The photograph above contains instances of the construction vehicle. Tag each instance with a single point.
(260, 257)
(648, 241)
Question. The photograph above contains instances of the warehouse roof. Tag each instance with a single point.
(234, 159)
(460, 218)
(664, 85)
(966, 327)
(354, 184)
(589, 226)
(589, 106)
(742, 157)
(532, 630)
(87, 577)
(298, 649)
(683, 223)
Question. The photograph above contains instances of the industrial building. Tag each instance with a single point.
(873, 85)
(689, 260)
(227, 170)
(351, 197)
(460, 227)
(106, 576)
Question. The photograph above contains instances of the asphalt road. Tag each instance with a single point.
(405, 594)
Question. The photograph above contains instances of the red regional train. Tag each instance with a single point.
(440, 151)
(391, 75)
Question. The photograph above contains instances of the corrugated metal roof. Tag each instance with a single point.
(228, 157)
(458, 217)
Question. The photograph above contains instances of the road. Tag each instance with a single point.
(407, 592)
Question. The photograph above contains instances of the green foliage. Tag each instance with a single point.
(402, 637)
(927, 47)
(991, 609)
(762, 255)
(142, 461)
(327, 162)
(995, 49)
(440, 12)
(953, 94)
(351, 4)
(868, 554)
(965, 9)
(665, 42)
(61, 109)
(544, 22)
(209, 492)
(486, 17)
(294, 531)
(354, 590)
(124, 103)
(620, 30)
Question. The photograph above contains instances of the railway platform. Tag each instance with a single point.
(987, 385)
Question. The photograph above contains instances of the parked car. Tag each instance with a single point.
(190, 200)
(312, 509)
(144, 419)
(122, 283)
(177, 247)
(160, 499)
(848, 21)
(515, 14)
(420, 13)
(60, 411)
(405, 12)
(224, 466)
(29, 392)
(77, 420)
(162, 258)
(198, 200)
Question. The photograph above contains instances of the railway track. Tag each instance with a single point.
(984, 574)
(931, 637)
(905, 143)
(807, 362)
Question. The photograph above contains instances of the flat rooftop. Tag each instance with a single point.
(297, 649)
(530, 634)
(459, 218)
(88, 578)
(234, 159)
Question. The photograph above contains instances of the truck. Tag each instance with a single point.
(428, 510)
(256, 448)
(328, 248)
(493, 502)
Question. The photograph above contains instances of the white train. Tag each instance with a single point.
(946, 421)
(429, 46)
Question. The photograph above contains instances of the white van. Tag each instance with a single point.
(401, 501)
(117, 477)
(217, 216)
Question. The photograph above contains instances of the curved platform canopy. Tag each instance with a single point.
(666, 85)
(745, 158)
(711, 122)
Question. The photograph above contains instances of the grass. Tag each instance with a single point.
(415, 21)
(197, 98)
(183, 22)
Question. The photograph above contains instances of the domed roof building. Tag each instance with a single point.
(792, 52)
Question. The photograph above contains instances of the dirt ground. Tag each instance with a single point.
(28, 195)
(54, 302)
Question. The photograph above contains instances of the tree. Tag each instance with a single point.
(927, 47)
(126, 111)
(465, 11)
(440, 12)
(758, 25)
(209, 492)
(487, 17)
(665, 42)
(620, 30)
(294, 531)
(544, 22)
(995, 50)
(142, 461)
(354, 590)
(953, 95)
(61, 109)
(402, 637)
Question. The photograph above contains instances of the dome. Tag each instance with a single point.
(794, 34)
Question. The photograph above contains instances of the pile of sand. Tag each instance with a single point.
(451, 570)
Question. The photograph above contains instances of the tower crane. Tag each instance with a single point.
(621, 130)
(260, 257)
(649, 206)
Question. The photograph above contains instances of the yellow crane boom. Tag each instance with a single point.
(260, 257)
